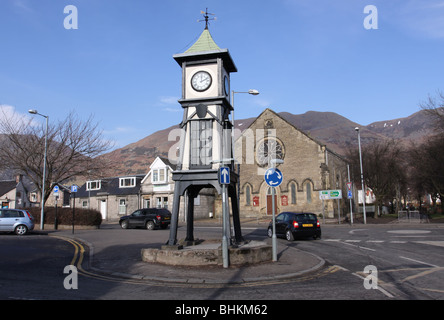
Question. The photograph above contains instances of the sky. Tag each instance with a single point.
(301, 55)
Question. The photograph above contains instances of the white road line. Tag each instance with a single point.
(375, 241)
(421, 262)
(388, 294)
(353, 241)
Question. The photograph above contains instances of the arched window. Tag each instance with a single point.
(248, 195)
(308, 191)
(293, 193)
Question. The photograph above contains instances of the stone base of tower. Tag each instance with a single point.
(209, 252)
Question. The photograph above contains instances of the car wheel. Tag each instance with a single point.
(317, 237)
(289, 235)
(150, 225)
(21, 230)
(270, 233)
(124, 224)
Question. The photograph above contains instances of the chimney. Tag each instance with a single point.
(18, 178)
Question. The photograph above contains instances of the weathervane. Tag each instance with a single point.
(207, 18)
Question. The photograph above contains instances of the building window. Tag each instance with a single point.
(127, 182)
(159, 176)
(308, 190)
(93, 185)
(85, 204)
(293, 193)
(248, 195)
(122, 206)
(33, 197)
(201, 143)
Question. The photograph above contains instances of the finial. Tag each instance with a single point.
(207, 18)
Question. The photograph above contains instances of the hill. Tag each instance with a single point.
(330, 128)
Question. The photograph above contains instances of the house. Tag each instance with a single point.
(158, 190)
(14, 194)
(113, 197)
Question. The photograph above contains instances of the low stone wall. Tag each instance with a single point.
(210, 254)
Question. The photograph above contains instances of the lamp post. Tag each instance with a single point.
(42, 215)
(362, 176)
(253, 92)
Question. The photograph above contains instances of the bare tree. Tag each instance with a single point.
(435, 107)
(427, 169)
(73, 147)
(383, 169)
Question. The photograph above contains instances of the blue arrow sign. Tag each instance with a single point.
(349, 194)
(224, 175)
(56, 189)
(273, 177)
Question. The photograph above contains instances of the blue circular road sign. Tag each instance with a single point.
(273, 177)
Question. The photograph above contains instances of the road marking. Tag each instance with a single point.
(421, 262)
(354, 241)
(388, 294)
(432, 243)
(375, 241)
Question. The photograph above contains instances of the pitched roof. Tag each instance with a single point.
(110, 186)
(204, 43)
(205, 48)
(6, 186)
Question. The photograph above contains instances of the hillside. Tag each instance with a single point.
(332, 129)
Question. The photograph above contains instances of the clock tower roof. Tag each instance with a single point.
(204, 49)
(204, 43)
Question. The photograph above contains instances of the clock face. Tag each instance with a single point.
(201, 81)
(269, 149)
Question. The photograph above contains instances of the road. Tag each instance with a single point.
(408, 260)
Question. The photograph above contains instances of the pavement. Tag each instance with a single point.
(117, 253)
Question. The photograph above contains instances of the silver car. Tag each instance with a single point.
(19, 221)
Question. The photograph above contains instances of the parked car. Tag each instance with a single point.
(293, 225)
(149, 218)
(18, 221)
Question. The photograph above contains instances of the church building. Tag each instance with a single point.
(308, 167)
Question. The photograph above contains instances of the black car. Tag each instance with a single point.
(149, 218)
(293, 225)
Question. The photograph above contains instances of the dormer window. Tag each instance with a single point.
(127, 182)
(159, 175)
(93, 185)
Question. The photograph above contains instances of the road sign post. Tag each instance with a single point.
(273, 177)
(74, 189)
(224, 180)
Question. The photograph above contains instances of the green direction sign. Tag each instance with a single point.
(330, 194)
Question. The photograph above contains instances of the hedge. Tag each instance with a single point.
(82, 217)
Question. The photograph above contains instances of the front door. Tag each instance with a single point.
(103, 209)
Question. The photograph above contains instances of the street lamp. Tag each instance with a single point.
(273, 206)
(253, 92)
(42, 215)
(362, 176)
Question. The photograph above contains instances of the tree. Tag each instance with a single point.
(73, 147)
(383, 169)
(435, 107)
(427, 169)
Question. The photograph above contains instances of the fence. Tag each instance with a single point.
(412, 216)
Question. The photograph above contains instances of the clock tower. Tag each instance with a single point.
(206, 139)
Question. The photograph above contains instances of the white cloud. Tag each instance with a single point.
(9, 113)
(168, 100)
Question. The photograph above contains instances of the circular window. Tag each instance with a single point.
(267, 149)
